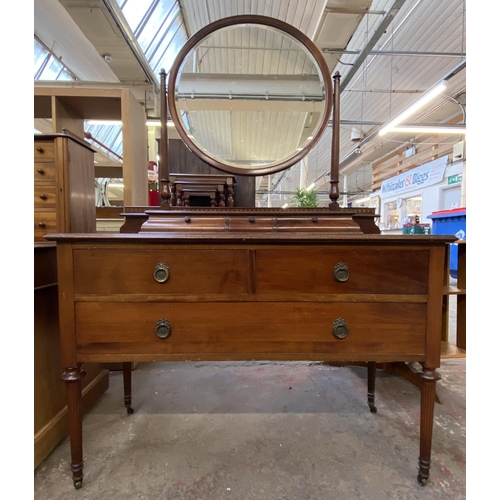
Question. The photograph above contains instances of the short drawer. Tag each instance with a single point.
(45, 196)
(45, 222)
(338, 271)
(251, 327)
(45, 172)
(44, 150)
(190, 272)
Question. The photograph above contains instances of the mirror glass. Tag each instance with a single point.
(250, 96)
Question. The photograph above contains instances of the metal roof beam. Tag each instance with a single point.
(386, 21)
(397, 53)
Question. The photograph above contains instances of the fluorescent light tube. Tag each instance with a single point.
(104, 122)
(156, 123)
(427, 97)
(430, 130)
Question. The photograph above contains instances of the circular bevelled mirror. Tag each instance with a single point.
(250, 95)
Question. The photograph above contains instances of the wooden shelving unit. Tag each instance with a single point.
(68, 108)
(455, 349)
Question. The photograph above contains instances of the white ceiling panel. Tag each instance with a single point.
(62, 35)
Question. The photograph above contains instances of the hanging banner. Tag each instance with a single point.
(420, 177)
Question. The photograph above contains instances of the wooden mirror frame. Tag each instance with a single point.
(332, 99)
(252, 20)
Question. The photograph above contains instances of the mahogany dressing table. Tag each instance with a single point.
(251, 284)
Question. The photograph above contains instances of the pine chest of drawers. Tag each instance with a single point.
(64, 193)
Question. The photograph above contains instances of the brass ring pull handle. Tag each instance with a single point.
(161, 273)
(340, 329)
(41, 224)
(39, 149)
(341, 272)
(163, 328)
(41, 171)
(43, 196)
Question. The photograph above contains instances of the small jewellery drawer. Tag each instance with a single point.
(191, 272)
(45, 222)
(44, 150)
(351, 271)
(363, 329)
(45, 196)
(45, 172)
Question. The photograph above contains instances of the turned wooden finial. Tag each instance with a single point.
(334, 172)
(165, 193)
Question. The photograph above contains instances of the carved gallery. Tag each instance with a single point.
(249, 249)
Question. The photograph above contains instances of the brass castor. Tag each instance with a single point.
(130, 410)
(422, 481)
(77, 483)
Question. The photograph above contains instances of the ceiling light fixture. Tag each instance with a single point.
(149, 123)
(429, 130)
(156, 123)
(418, 104)
(104, 122)
(311, 187)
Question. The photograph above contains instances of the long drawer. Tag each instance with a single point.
(368, 270)
(250, 327)
(187, 271)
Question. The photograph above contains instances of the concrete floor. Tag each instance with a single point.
(266, 431)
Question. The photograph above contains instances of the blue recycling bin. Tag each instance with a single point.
(450, 222)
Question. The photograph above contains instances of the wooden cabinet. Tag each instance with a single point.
(64, 196)
(239, 300)
(454, 315)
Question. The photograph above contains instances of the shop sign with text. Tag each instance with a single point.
(420, 177)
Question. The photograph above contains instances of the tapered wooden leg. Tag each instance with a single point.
(73, 378)
(372, 368)
(427, 397)
(127, 387)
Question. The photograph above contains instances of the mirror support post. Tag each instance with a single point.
(335, 158)
(165, 192)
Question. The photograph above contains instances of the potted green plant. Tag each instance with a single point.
(302, 198)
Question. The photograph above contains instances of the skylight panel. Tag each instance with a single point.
(159, 29)
(47, 66)
(135, 12)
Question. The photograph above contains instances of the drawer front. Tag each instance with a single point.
(44, 150)
(191, 272)
(365, 271)
(251, 327)
(45, 172)
(45, 196)
(45, 222)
